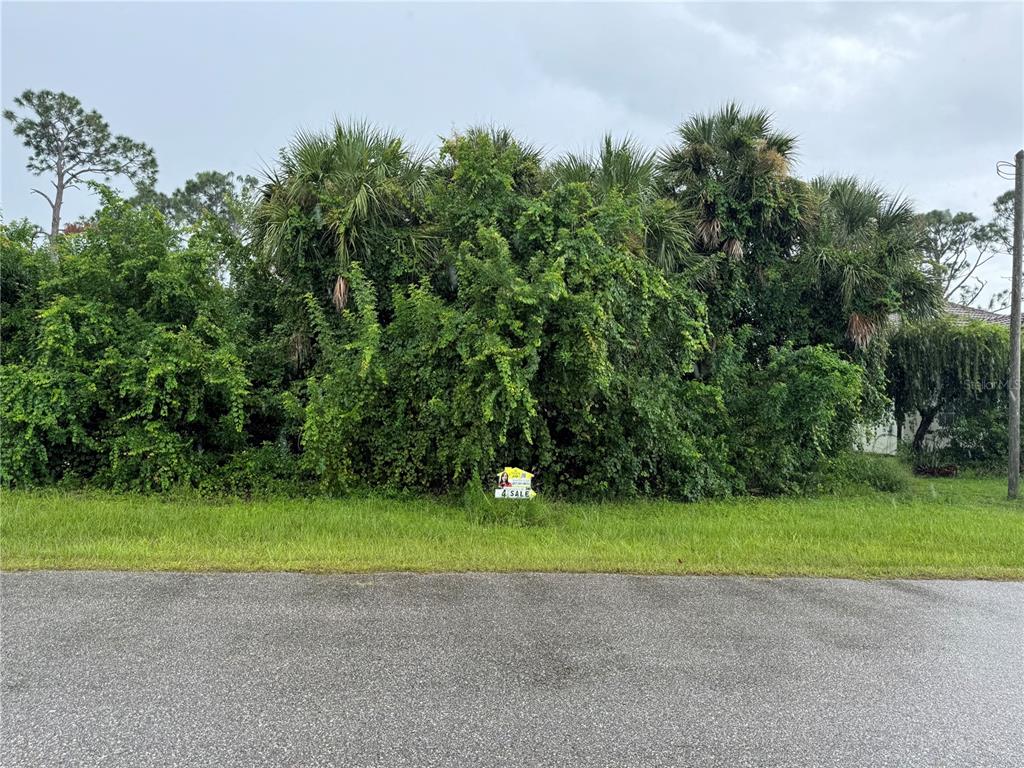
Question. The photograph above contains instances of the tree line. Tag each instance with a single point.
(688, 322)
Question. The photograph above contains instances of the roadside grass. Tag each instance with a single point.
(956, 528)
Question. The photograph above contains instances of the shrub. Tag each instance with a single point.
(790, 417)
(129, 372)
(977, 432)
(621, 325)
(268, 470)
(559, 346)
(855, 468)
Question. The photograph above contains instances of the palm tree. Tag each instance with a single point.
(725, 156)
(626, 168)
(866, 251)
(333, 198)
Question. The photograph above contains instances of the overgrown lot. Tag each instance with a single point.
(943, 528)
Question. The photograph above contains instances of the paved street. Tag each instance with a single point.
(403, 670)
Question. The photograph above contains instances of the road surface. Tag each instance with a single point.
(130, 669)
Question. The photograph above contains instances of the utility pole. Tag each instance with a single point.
(1014, 385)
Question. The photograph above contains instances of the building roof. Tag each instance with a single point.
(964, 314)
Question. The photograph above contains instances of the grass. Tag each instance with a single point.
(959, 528)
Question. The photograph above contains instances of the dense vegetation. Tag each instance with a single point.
(958, 372)
(690, 323)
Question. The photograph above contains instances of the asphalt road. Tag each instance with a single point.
(478, 670)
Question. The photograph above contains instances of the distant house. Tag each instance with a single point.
(884, 438)
(963, 314)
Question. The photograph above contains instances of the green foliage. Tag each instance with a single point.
(264, 471)
(855, 469)
(826, 263)
(977, 432)
(863, 252)
(956, 245)
(54, 117)
(791, 416)
(220, 196)
(954, 375)
(944, 367)
(130, 373)
(352, 194)
(731, 170)
(942, 361)
(625, 168)
(24, 269)
(560, 347)
(74, 146)
(686, 324)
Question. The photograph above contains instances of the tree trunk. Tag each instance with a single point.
(58, 201)
(927, 417)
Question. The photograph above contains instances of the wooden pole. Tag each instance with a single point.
(1014, 385)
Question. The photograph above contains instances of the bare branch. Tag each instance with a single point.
(78, 173)
(979, 262)
(968, 298)
(44, 196)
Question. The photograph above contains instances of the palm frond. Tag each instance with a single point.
(348, 184)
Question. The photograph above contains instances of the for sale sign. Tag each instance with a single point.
(514, 483)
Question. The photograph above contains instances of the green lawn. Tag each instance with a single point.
(960, 528)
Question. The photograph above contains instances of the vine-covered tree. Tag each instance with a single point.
(684, 325)
(944, 366)
(122, 363)
(72, 145)
(559, 343)
(625, 168)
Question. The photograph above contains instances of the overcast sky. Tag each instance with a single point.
(923, 98)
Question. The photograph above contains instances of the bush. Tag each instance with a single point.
(558, 346)
(620, 326)
(789, 418)
(977, 432)
(269, 470)
(129, 372)
(855, 468)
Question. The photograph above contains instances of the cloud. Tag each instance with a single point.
(882, 91)
(730, 40)
(831, 71)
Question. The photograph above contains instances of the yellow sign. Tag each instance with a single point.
(514, 483)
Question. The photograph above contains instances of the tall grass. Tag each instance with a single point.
(961, 528)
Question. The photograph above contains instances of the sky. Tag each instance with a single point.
(922, 98)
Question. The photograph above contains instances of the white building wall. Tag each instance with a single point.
(882, 438)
